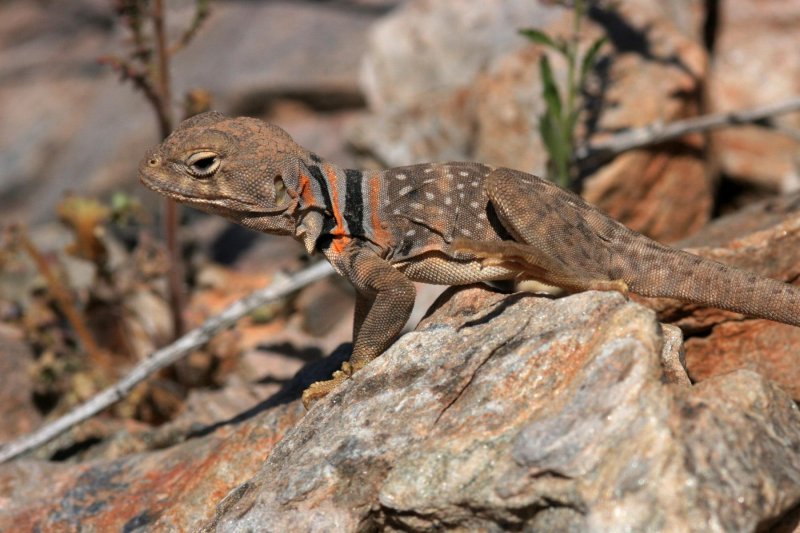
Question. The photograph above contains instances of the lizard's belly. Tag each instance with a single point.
(440, 269)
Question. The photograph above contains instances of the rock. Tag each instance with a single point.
(430, 46)
(673, 357)
(171, 489)
(499, 412)
(763, 238)
(554, 416)
(652, 70)
(751, 68)
(769, 348)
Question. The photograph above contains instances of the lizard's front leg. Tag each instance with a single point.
(385, 298)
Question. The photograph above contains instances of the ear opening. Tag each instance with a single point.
(281, 194)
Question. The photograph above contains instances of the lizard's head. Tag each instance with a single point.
(234, 167)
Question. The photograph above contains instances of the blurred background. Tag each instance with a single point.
(368, 83)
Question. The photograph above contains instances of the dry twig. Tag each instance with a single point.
(64, 301)
(163, 358)
(656, 133)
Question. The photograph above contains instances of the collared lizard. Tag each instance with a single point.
(444, 223)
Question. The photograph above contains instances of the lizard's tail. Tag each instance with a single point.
(672, 273)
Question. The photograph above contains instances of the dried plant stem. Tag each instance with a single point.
(201, 12)
(171, 209)
(64, 300)
(656, 133)
(165, 357)
(162, 58)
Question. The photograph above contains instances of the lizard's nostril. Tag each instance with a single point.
(153, 161)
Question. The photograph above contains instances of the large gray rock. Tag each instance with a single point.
(429, 46)
(499, 412)
(555, 417)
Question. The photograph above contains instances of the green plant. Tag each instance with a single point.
(557, 124)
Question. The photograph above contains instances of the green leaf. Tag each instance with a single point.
(539, 37)
(572, 120)
(549, 135)
(552, 99)
(591, 55)
(550, 130)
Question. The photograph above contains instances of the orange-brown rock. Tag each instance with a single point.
(755, 63)
(764, 238)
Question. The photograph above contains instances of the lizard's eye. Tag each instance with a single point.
(202, 164)
(280, 191)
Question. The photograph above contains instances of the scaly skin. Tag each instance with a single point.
(448, 224)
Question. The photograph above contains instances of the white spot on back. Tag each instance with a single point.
(429, 195)
(461, 195)
(474, 183)
(460, 186)
(447, 200)
(416, 205)
(465, 231)
(474, 205)
(396, 212)
(428, 170)
(405, 190)
(483, 216)
(411, 233)
(401, 177)
(462, 173)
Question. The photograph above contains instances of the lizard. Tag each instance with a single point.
(444, 223)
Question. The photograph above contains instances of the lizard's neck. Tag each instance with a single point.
(317, 199)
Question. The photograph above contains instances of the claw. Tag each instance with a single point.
(318, 390)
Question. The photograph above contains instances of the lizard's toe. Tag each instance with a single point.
(320, 389)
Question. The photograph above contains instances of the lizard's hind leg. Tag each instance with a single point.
(532, 264)
(560, 239)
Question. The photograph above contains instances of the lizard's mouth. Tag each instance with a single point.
(218, 204)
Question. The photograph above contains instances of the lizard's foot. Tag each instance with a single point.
(610, 285)
(320, 389)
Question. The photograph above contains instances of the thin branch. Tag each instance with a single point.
(201, 13)
(792, 133)
(138, 77)
(171, 208)
(165, 357)
(656, 133)
(64, 301)
(162, 66)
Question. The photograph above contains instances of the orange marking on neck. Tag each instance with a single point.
(340, 237)
(380, 233)
(305, 191)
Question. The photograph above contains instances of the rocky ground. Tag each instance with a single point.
(499, 411)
